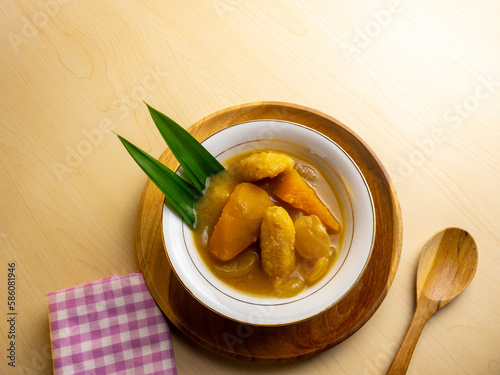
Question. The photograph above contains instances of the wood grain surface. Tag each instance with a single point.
(417, 81)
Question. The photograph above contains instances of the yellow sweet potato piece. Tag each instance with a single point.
(239, 224)
(209, 207)
(295, 191)
(277, 239)
(311, 238)
(262, 165)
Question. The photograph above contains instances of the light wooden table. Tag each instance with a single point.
(419, 81)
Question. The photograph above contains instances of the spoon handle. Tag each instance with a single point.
(423, 312)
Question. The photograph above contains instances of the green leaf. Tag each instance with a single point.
(179, 193)
(196, 161)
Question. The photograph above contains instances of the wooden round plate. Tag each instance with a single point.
(281, 343)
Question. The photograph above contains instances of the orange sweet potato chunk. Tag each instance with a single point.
(295, 191)
(239, 224)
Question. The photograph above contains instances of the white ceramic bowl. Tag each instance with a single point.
(355, 249)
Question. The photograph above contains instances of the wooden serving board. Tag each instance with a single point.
(282, 343)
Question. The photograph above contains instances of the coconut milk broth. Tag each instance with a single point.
(209, 208)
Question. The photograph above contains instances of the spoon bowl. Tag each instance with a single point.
(446, 267)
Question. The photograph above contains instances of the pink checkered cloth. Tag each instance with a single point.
(110, 326)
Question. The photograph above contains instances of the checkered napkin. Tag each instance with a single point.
(110, 326)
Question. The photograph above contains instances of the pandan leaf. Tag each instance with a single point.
(179, 193)
(196, 161)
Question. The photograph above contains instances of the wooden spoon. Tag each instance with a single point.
(446, 266)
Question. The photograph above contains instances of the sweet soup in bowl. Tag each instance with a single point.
(283, 234)
(269, 225)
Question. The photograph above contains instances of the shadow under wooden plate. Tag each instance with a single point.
(282, 343)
